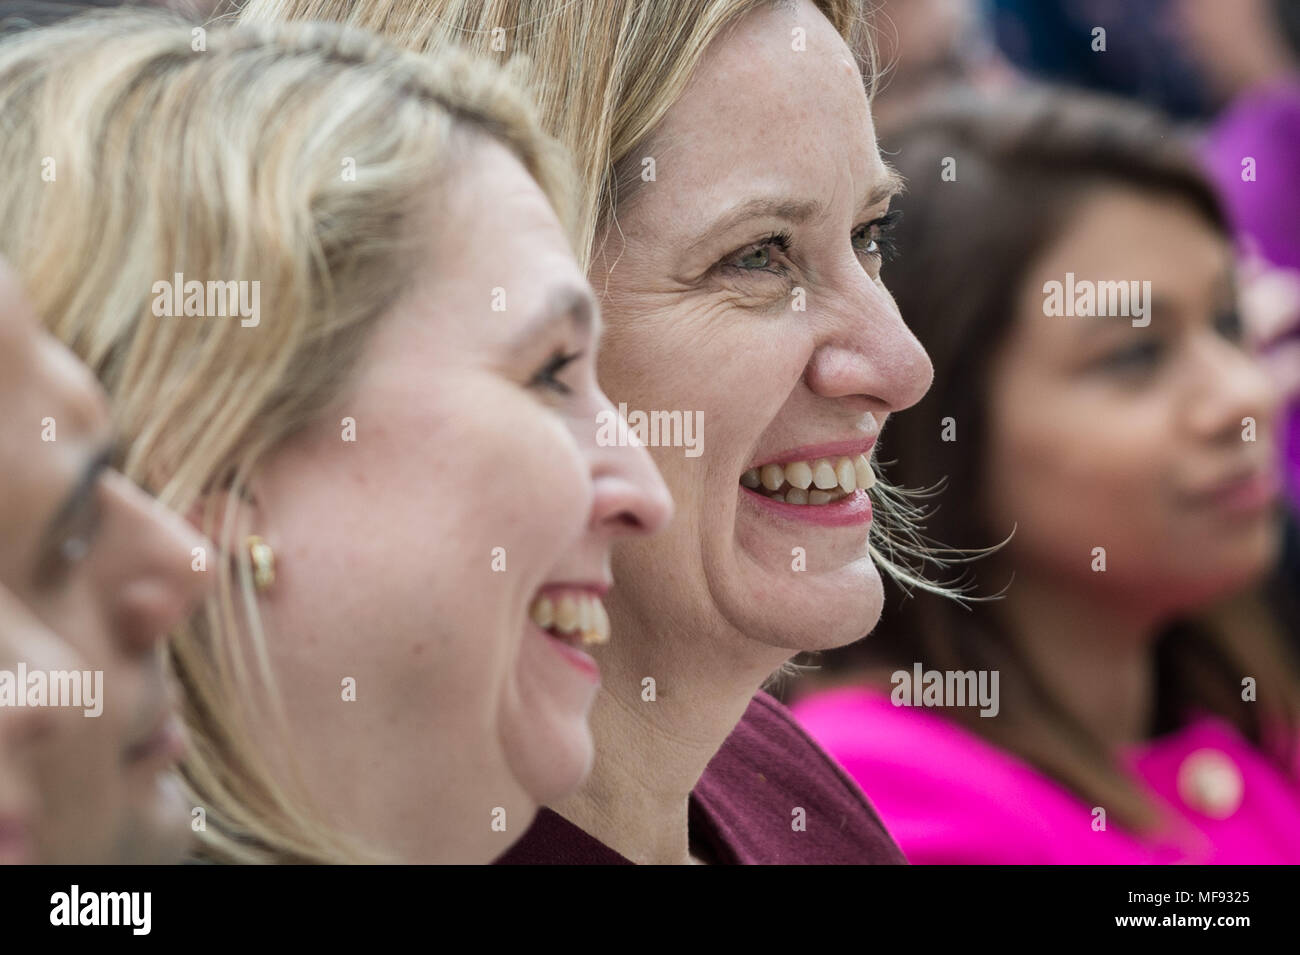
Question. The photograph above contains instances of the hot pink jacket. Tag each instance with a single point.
(947, 796)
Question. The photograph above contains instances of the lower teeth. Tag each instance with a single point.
(812, 496)
(578, 637)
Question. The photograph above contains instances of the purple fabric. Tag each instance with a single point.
(950, 797)
(1291, 452)
(1264, 124)
(742, 811)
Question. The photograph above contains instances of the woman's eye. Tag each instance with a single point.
(1138, 359)
(760, 256)
(875, 238)
(71, 549)
(546, 375)
(1228, 324)
(864, 241)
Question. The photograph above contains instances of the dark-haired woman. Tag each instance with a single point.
(1071, 276)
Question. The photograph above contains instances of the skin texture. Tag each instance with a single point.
(461, 703)
(1237, 52)
(25, 732)
(124, 580)
(701, 321)
(1134, 428)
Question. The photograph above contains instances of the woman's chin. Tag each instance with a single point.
(568, 763)
(547, 737)
(801, 611)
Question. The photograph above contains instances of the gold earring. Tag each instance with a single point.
(259, 551)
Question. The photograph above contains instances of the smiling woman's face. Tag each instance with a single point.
(744, 284)
(413, 559)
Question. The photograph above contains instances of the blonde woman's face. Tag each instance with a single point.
(744, 289)
(412, 551)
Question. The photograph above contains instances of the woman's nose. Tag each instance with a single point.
(630, 494)
(869, 352)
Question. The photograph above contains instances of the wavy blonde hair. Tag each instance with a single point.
(604, 74)
(227, 163)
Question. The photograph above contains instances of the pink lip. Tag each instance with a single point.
(600, 587)
(580, 661)
(166, 744)
(851, 509)
(1245, 495)
(811, 452)
(15, 841)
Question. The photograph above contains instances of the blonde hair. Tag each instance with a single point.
(229, 162)
(604, 74)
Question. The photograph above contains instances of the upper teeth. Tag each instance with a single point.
(831, 479)
(572, 613)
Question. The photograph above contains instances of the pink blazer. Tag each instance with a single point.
(949, 797)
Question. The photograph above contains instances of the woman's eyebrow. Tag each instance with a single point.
(795, 211)
(890, 185)
(567, 304)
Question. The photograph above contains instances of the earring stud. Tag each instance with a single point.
(263, 558)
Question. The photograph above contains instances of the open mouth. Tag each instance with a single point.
(576, 618)
(816, 483)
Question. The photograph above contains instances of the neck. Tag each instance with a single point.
(1092, 655)
(482, 810)
(650, 754)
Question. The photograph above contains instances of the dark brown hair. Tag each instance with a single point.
(1023, 163)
